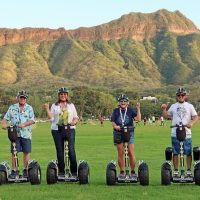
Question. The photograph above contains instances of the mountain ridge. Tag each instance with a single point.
(137, 51)
(138, 26)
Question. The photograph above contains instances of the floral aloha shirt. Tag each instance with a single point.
(15, 117)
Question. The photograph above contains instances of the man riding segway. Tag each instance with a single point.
(183, 117)
(21, 118)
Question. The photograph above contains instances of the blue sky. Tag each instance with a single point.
(72, 14)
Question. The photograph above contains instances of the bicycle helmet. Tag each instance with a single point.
(63, 90)
(22, 93)
(122, 97)
(181, 91)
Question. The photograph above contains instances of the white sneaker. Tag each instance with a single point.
(189, 173)
(176, 172)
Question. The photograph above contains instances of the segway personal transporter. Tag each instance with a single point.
(111, 170)
(34, 171)
(166, 168)
(53, 176)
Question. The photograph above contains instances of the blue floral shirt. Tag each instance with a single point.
(15, 117)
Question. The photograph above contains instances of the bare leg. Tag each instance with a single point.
(120, 150)
(26, 159)
(131, 154)
(189, 161)
(175, 161)
(13, 162)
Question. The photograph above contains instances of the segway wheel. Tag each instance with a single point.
(34, 175)
(83, 174)
(51, 176)
(197, 176)
(165, 176)
(143, 174)
(110, 177)
(3, 178)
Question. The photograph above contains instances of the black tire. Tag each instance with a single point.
(34, 175)
(197, 176)
(3, 178)
(110, 177)
(143, 174)
(51, 176)
(165, 176)
(83, 175)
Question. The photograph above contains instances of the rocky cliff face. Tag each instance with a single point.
(138, 26)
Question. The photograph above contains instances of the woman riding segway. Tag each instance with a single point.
(123, 116)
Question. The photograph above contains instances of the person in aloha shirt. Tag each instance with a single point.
(20, 115)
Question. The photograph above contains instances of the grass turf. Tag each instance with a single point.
(95, 144)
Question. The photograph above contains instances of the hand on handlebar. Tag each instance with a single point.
(189, 125)
(4, 126)
(117, 128)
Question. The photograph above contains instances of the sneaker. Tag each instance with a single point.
(188, 173)
(25, 173)
(13, 174)
(74, 177)
(176, 172)
(74, 174)
(61, 173)
(121, 175)
(133, 174)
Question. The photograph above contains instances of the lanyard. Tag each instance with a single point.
(123, 118)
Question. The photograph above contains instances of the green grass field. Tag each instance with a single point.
(94, 144)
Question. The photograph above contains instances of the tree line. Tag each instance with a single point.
(89, 102)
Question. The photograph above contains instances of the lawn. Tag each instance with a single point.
(94, 144)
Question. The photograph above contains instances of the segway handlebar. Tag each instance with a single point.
(173, 126)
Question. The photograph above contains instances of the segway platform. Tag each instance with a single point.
(166, 169)
(34, 174)
(183, 179)
(127, 179)
(67, 178)
(53, 175)
(142, 177)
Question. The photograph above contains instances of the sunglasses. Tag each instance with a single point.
(180, 95)
(122, 101)
(22, 97)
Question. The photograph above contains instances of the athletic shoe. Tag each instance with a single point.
(25, 173)
(13, 174)
(61, 173)
(188, 173)
(133, 174)
(176, 172)
(74, 177)
(121, 175)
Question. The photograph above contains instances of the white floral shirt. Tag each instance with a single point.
(15, 117)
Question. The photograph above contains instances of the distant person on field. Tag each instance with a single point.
(20, 115)
(149, 121)
(122, 116)
(162, 121)
(184, 112)
(145, 121)
(63, 112)
(153, 120)
(101, 119)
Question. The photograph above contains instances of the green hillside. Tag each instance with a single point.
(139, 51)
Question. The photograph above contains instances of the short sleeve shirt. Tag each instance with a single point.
(128, 119)
(181, 112)
(15, 117)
